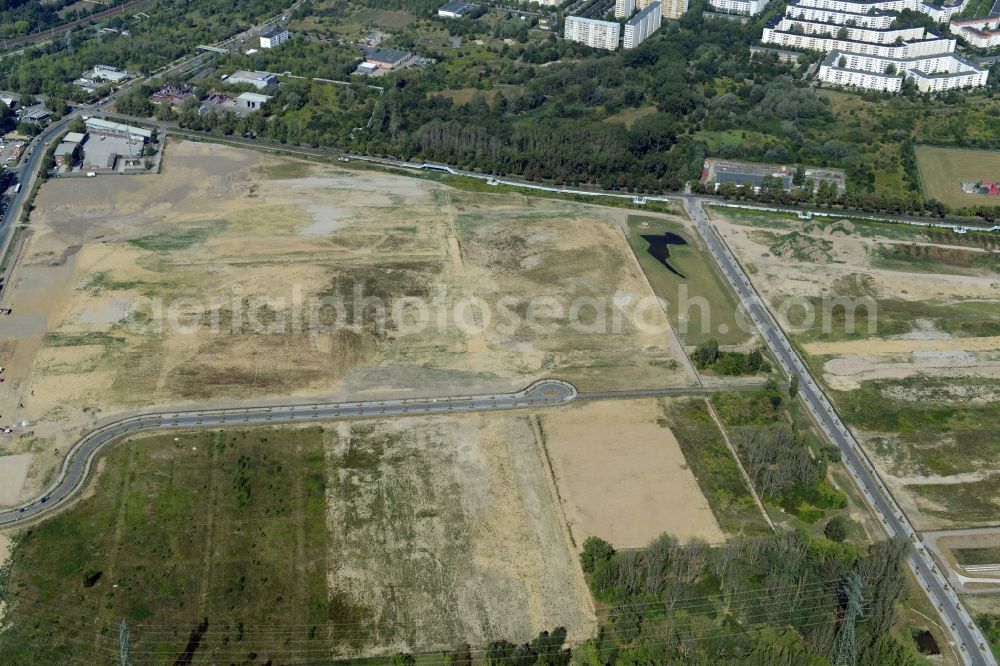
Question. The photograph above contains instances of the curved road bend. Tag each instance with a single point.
(969, 640)
(76, 466)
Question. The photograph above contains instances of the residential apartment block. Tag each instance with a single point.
(598, 34)
(940, 14)
(930, 74)
(870, 52)
(624, 8)
(983, 32)
(642, 25)
(673, 9)
(743, 7)
(274, 36)
(668, 8)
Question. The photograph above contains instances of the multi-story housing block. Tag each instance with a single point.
(744, 7)
(870, 52)
(598, 34)
(982, 32)
(642, 25)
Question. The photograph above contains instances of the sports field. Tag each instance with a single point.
(942, 171)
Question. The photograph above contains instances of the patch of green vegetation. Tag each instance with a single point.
(990, 624)
(700, 305)
(95, 283)
(713, 466)
(855, 313)
(761, 407)
(788, 465)
(802, 247)
(184, 528)
(734, 600)
(937, 438)
(933, 259)
(470, 184)
(379, 283)
(963, 504)
(974, 556)
(707, 356)
(758, 218)
(286, 170)
(98, 338)
(179, 239)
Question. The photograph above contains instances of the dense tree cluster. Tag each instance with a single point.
(707, 355)
(173, 29)
(547, 109)
(23, 17)
(767, 600)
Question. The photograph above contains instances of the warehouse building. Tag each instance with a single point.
(251, 101)
(100, 127)
(455, 10)
(258, 80)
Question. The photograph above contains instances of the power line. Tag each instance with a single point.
(123, 651)
(845, 649)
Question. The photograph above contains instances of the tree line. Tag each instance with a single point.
(778, 599)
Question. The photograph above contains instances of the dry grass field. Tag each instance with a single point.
(235, 276)
(621, 474)
(942, 171)
(921, 385)
(303, 544)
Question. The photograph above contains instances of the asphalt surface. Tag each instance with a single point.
(26, 175)
(76, 466)
(967, 637)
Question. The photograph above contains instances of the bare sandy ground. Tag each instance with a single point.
(847, 372)
(950, 364)
(205, 283)
(450, 533)
(780, 278)
(13, 472)
(898, 346)
(622, 476)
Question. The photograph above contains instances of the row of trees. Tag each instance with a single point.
(547, 649)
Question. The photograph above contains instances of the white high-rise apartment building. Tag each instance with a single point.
(671, 8)
(668, 8)
(744, 7)
(642, 25)
(624, 8)
(982, 32)
(598, 34)
(871, 54)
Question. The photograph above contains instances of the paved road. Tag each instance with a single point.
(966, 635)
(26, 176)
(77, 464)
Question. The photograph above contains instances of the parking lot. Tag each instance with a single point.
(10, 152)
